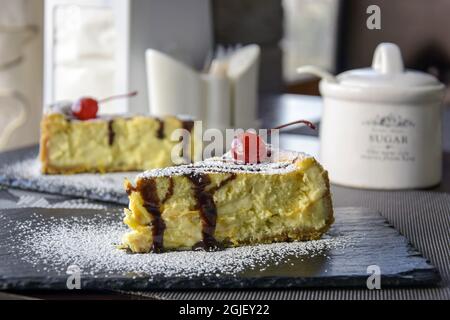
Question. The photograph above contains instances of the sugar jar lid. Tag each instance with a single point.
(387, 70)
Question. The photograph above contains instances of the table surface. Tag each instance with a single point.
(277, 110)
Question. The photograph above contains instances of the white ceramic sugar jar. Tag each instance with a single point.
(381, 126)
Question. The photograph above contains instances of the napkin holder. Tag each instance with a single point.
(224, 97)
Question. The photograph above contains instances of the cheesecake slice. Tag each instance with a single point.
(220, 203)
(108, 144)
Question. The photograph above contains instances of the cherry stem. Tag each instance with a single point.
(127, 95)
(308, 123)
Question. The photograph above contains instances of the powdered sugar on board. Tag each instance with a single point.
(89, 242)
(38, 248)
(25, 174)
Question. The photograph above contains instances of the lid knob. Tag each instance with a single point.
(388, 59)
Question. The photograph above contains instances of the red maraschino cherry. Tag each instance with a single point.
(87, 108)
(250, 148)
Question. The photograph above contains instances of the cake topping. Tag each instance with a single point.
(305, 122)
(188, 125)
(152, 203)
(86, 108)
(111, 133)
(160, 131)
(226, 164)
(63, 107)
(207, 208)
(250, 148)
(204, 204)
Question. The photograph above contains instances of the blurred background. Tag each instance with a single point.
(62, 49)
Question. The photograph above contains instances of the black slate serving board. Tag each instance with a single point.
(20, 169)
(372, 241)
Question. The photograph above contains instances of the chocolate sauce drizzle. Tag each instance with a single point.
(152, 203)
(207, 207)
(189, 126)
(204, 204)
(111, 133)
(160, 132)
(130, 189)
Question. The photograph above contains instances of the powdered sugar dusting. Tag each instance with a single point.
(31, 201)
(90, 243)
(285, 163)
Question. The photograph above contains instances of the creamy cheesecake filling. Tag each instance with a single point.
(210, 205)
